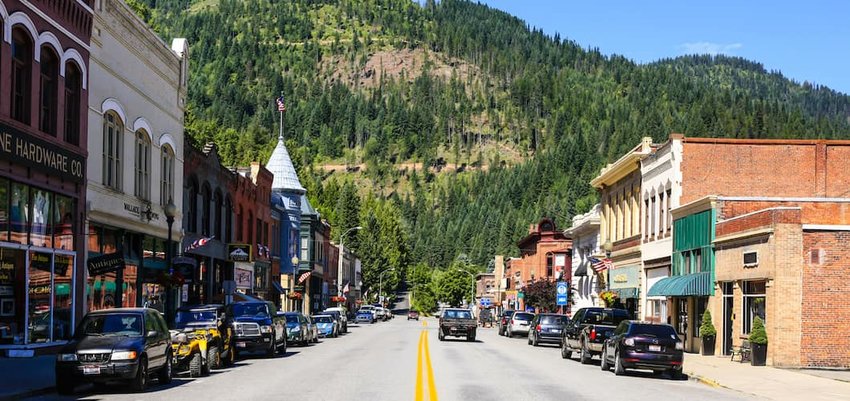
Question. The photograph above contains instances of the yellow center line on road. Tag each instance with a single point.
(426, 363)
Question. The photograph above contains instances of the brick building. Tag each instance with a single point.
(545, 254)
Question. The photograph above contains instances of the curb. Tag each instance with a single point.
(703, 380)
(27, 393)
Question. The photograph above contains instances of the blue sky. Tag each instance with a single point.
(805, 40)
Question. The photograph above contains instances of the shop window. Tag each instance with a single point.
(305, 249)
(166, 187)
(701, 304)
(4, 210)
(49, 65)
(755, 299)
(21, 75)
(63, 268)
(63, 223)
(41, 232)
(19, 213)
(40, 294)
(549, 265)
(73, 88)
(657, 310)
(12, 296)
(142, 187)
(113, 128)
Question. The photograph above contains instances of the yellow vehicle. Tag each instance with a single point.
(201, 340)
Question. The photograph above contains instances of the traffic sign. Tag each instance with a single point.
(485, 302)
(561, 293)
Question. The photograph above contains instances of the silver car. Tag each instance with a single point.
(519, 324)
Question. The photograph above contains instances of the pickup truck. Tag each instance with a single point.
(257, 327)
(457, 323)
(587, 331)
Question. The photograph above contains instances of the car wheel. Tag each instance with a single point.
(619, 370)
(64, 385)
(440, 335)
(536, 341)
(215, 357)
(195, 365)
(285, 344)
(471, 337)
(604, 365)
(166, 373)
(230, 358)
(529, 339)
(140, 382)
(272, 347)
(565, 352)
(585, 354)
(675, 373)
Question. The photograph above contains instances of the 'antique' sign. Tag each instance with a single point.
(106, 263)
(24, 149)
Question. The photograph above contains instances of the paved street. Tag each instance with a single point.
(381, 362)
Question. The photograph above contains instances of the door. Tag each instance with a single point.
(682, 318)
(728, 305)
(156, 344)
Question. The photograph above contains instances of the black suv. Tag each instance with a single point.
(256, 327)
(126, 344)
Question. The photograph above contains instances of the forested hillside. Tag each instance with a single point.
(566, 110)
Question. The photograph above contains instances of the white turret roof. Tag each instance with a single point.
(285, 178)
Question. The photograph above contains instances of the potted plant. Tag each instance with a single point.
(609, 297)
(758, 342)
(708, 334)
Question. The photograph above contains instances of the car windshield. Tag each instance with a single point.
(112, 324)
(509, 313)
(611, 317)
(457, 314)
(250, 310)
(323, 319)
(652, 330)
(366, 308)
(523, 316)
(549, 319)
(292, 319)
(184, 318)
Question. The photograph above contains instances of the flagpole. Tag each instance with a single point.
(280, 135)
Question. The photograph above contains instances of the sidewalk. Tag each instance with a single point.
(21, 377)
(767, 382)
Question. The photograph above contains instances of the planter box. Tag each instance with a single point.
(708, 345)
(759, 357)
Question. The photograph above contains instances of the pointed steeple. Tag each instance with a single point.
(280, 164)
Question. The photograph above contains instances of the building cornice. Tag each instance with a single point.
(699, 205)
(626, 164)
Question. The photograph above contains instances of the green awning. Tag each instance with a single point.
(688, 285)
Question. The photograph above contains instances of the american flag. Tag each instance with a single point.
(600, 265)
(281, 106)
(345, 290)
(304, 277)
(263, 251)
(199, 243)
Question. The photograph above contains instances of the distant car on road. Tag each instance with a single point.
(412, 315)
(641, 345)
(504, 319)
(546, 328)
(457, 323)
(123, 344)
(365, 317)
(587, 331)
(519, 323)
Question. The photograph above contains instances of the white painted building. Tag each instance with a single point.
(585, 281)
(137, 93)
(661, 190)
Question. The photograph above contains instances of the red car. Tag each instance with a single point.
(412, 315)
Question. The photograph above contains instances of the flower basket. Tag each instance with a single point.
(609, 297)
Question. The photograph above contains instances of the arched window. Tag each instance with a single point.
(166, 186)
(113, 129)
(217, 231)
(21, 75)
(228, 220)
(239, 221)
(48, 92)
(73, 87)
(192, 201)
(205, 216)
(250, 227)
(143, 165)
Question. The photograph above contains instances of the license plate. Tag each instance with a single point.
(655, 348)
(91, 370)
(554, 330)
(240, 345)
(266, 339)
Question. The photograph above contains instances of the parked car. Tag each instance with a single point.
(256, 327)
(412, 314)
(343, 315)
(457, 323)
(371, 309)
(365, 316)
(519, 323)
(327, 325)
(123, 344)
(338, 320)
(504, 319)
(641, 345)
(298, 330)
(587, 331)
(546, 328)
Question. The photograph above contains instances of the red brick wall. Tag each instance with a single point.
(826, 287)
(812, 212)
(790, 168)
(761, 219)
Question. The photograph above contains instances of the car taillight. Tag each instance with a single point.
(592, 334)
(539, 328)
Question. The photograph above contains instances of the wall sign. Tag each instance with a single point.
(239, 252)
(243, 275)
(22, 148)
(106, 263)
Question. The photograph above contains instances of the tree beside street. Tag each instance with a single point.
(541, 295)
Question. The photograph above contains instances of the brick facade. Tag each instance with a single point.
(540, 250)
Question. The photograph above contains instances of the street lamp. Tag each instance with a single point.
(341, 254)
(170, 211)
(381, 284)
(607, 247)
(295, 262)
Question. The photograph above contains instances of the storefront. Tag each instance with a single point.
(625, 282)
(38, 262)
(656, 306)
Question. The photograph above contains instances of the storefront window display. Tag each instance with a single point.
(754, 303)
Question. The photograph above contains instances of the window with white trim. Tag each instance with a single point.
(143, 165)
(113, 127)
(166, 183)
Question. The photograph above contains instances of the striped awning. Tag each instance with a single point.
(688, 285)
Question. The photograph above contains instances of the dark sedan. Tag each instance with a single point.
(640, 345)
(546, 328)
(128, 345)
